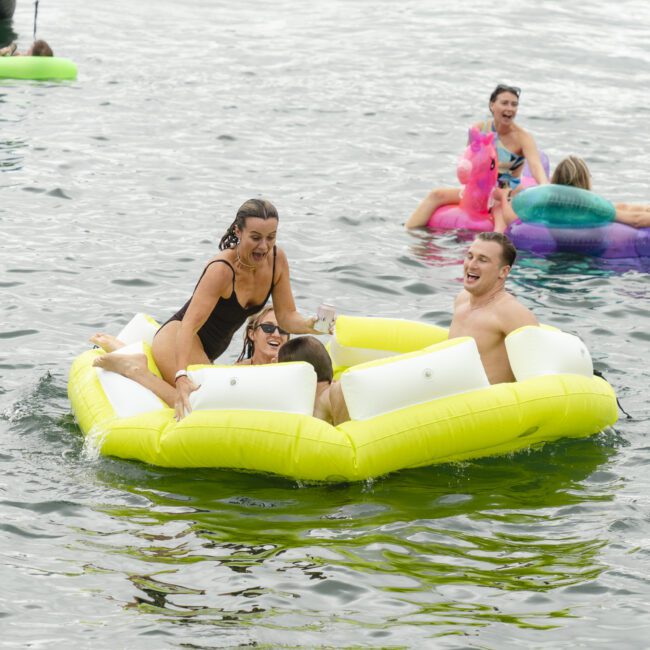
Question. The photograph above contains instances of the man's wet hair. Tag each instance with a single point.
(508, 250)
(311, 350)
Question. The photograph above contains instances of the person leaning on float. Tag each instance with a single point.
(514, 145)
(234, 285)
(573, 171)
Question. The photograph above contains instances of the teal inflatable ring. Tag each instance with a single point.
(37, 67)
(562, 206)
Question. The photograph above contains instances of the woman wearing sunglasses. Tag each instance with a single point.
(514, 145)
(235, 284)
(262, 339)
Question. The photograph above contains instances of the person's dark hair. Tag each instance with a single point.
(252, 208)
(248, 350)
(508, 250)
(504, 88)
(311, 350)
(41, 48)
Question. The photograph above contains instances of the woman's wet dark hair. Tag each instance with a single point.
(259, 208)
(504, 88)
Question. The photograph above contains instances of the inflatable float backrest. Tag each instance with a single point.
(126, 396)
(562, 206)
(535, 351)
(284, 387)
(359, 339)
(140, 328)
(440, 370)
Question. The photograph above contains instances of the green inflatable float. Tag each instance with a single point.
(37, 67)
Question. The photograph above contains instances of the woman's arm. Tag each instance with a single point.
(637, 216)
(215, 282)
(502, 210)
(289, 318)
(531, 153)
(212, 286)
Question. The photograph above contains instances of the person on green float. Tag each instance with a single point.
(38, 48)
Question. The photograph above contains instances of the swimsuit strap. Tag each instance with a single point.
(223, 262)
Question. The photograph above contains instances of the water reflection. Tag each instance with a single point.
(440, 248)
(411, 542)
(12, 152)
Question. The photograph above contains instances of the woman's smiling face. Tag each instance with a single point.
(504, 107)
(267, 344)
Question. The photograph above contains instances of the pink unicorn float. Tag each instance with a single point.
(477, 171)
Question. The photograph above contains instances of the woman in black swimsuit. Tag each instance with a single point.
(238, 282)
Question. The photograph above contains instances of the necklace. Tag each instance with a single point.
(243, 264)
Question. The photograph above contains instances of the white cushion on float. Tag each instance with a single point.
(438, 371)
(535, 351)
(139, 328)
(126, 396)
(283, 387)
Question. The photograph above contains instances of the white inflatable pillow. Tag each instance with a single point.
(126, 396)
(140, 328)
(440, 370)
(282, 387)
(535, 351)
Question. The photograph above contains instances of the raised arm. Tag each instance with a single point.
(289, 318)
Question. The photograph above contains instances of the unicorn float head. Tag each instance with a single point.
(477, 172)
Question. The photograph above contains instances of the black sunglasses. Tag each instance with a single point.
(510, 89)
(269, 328)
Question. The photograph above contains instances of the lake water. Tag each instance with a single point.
(114, 191)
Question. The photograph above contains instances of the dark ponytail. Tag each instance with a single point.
(258, 208)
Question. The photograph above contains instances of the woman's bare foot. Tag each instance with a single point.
(132, 366)
(106, 342)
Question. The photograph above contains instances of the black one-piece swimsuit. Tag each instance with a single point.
(226, 318)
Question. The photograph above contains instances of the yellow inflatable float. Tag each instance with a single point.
(415, 398)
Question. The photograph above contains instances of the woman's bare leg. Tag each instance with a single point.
(164, 350)
(431, 202)
(134, 366)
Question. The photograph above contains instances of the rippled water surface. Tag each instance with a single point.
(114, 191)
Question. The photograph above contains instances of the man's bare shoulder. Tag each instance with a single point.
(512, 314)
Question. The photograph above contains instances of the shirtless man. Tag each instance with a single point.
(329, 404)
(484, 310)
